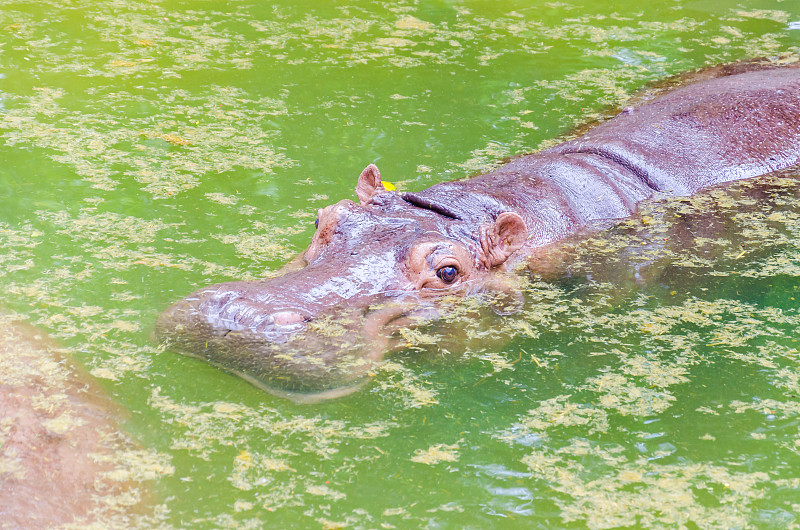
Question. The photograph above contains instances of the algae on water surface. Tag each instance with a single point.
(153, 147)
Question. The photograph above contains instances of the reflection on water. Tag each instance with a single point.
(649, 379)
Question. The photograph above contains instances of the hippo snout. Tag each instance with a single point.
(257, 334)
(216, 316)
(243, 315)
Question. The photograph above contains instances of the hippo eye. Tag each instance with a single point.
(316, 222)
(447, 274)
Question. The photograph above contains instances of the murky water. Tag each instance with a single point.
(152, 147)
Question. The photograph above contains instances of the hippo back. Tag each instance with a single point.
(707, 133)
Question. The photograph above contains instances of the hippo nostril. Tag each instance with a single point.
(284, 318)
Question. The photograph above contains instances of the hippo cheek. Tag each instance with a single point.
(382, 322)
(503, 295)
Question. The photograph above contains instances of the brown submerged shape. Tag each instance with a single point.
(61, 448)
(381, 263)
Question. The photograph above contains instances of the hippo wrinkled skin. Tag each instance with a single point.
(374, 263)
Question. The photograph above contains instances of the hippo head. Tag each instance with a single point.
(370, 266)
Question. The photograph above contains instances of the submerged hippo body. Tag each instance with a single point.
(373, 262)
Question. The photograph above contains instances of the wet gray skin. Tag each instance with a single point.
(370, 268)
(373, 266)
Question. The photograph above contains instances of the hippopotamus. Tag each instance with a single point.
(374, 263)
(63, 458)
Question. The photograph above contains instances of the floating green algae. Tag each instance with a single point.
(648, 379)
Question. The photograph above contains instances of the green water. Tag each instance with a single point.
(152, 147)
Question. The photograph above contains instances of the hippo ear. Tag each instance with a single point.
(369, 184)
(502, 238)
